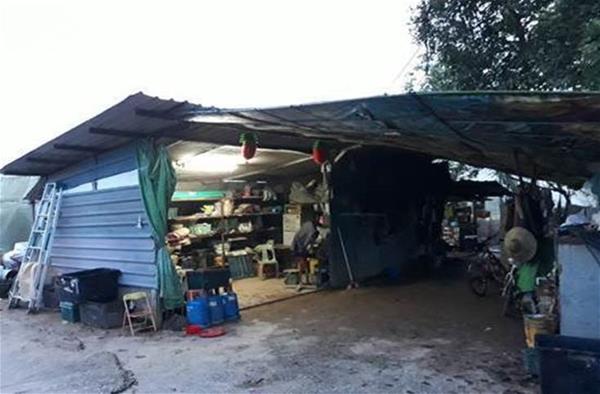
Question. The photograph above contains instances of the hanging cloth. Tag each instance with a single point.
(157, 183)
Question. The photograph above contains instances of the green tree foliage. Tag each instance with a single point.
(509, 44)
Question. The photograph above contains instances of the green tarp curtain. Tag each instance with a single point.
(157, 183)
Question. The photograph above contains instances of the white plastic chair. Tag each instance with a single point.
(266, 256)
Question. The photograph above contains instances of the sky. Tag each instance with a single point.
(62, 62)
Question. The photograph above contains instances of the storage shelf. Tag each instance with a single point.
(235, 234)
(202, 218)
(252, 198)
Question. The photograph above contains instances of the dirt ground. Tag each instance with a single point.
(430, 336)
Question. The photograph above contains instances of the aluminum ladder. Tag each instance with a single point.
(38, 250)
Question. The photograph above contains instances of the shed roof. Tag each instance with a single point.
(553, 136)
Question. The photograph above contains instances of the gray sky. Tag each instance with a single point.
(65, 61)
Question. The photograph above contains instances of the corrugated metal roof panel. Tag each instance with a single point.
(545, 135)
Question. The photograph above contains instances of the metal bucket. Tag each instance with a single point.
(538, 324)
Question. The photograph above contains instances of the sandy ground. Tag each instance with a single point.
(430, 336)
(255, 291)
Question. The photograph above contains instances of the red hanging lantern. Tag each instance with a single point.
(319, 152)
(248, 141)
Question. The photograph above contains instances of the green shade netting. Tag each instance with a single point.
(157, 184)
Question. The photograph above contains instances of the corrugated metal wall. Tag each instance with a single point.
(102, 229)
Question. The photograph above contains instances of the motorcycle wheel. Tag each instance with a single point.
(478, 285)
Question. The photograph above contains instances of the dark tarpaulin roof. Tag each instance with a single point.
(554, 136)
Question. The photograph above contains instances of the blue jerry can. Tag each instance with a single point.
(198, 312)
(216, 310)
(230, 306)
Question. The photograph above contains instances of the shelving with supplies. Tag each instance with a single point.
(258, 222)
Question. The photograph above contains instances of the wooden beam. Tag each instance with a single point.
(78, 148)
(274, 168)
(27, 173)
(161, 132)
(117, 133)
(50, 161)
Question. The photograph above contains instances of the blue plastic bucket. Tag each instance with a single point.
(230, 306)
(216, 310)
(198, 312)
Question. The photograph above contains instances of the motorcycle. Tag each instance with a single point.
(484, 269)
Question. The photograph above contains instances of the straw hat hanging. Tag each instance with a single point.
(520, 244)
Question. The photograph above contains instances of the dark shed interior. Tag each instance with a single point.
(388, 208)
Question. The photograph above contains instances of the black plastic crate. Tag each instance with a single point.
(209, 278)
(97, 285)
(102, 314)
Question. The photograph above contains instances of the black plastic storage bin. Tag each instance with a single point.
(97, 285)
(569, 364)
(102, 314)
(208, 278)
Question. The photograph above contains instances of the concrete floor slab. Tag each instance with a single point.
(255, 291)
